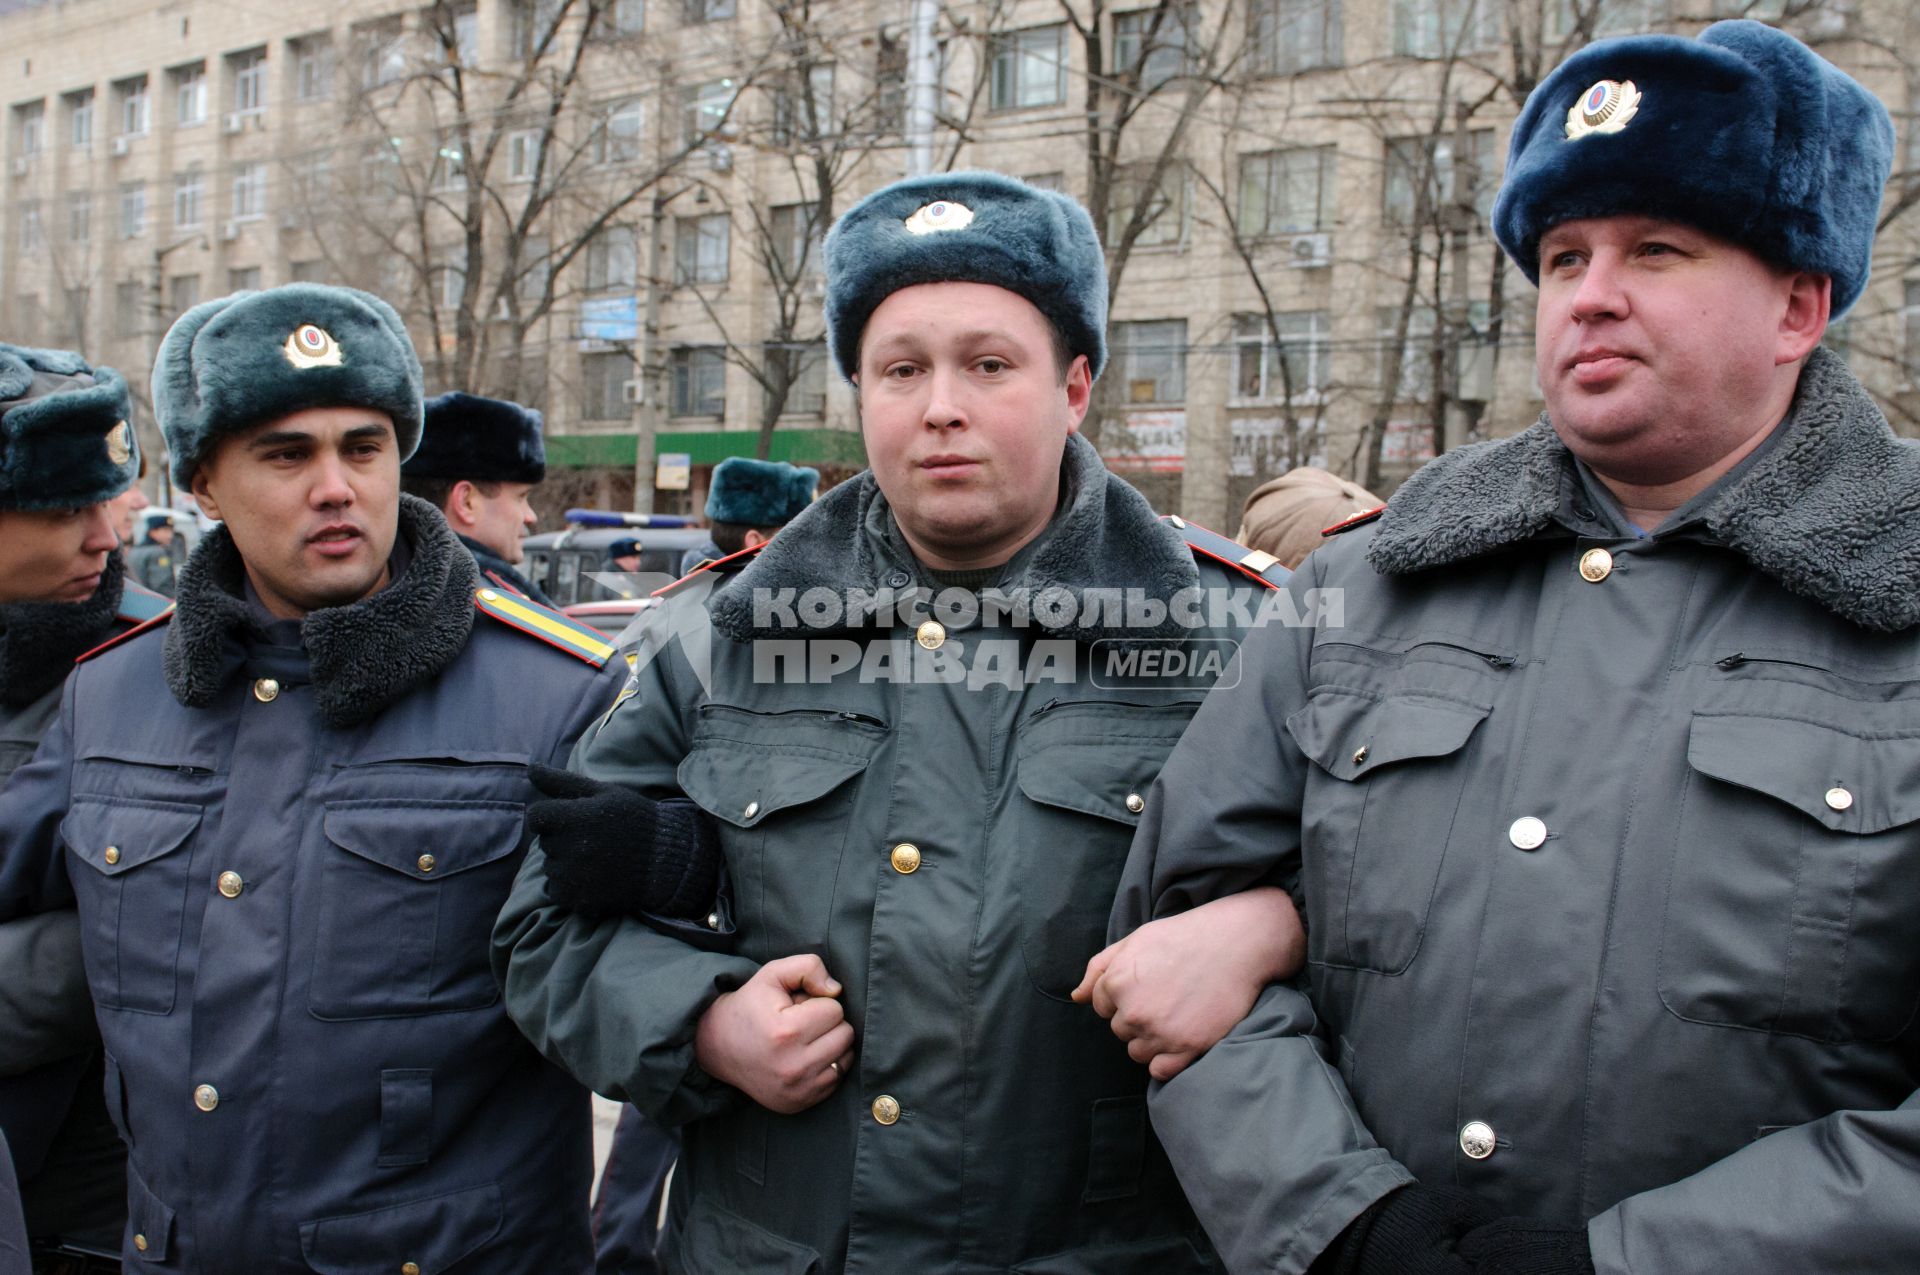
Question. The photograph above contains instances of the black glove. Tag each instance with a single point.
(1518, 1246)
(1413, 1231)
(612, 852)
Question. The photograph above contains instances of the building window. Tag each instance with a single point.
(249, 71)
(313, 68)
(1594, 20)
(1416, 355)
(1029, 68)
(243, 279)
(1166, 204)
(307, 272)
(183, 293)
(795, 233)
(622, 20)
(466, 36)
(1151, 359)
(700, 249)
(1441, 28)
(1910, 332)
(890, 83)
(523, 154)
(449, 287)
(133, 106)
(699, 380)
(382, 48)
(449, 164)
(699, 11)
(1294, 370)
(79, 216)
(1285, 37)
(133, 210)
(80, 119)
(704, 109)
(603, 380)
(249, 191)
(807, 391)
(33, 229)
(129, 303)
(1417, 165)
(29, 129)
(618, 139)
(1152, 44)
(189, 94)
(533, 26)
(803, 105)
(189, 198)
(1286, 192)
(612, 260)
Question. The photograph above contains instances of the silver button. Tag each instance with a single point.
(1527, 833)
(713, 920)
(206, 1097)
(1136, 803)
(1839, 798)
(230, 885)
(1476, 1140)
(753, 808)
(266, 690)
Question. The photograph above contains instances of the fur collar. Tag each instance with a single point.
(1832, 512)
(363, 656)
(1106, 537)
(39, 641)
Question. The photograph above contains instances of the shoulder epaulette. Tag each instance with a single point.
(1358, 520)
(501, 582)
(138, 605)
(714, 566)
(152, 622)
(551, 627)
(1255, 564)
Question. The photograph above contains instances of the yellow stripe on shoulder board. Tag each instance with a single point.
(551, 627)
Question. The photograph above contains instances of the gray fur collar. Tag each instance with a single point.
(363, 656)
(1832, 512)
(1106, 538)
(39, 641)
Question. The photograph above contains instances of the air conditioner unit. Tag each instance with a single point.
(22, 166)
(633, 392)
(1309, 252)
(719, 157)
(122, 146)
(234, 123)
(230, 232)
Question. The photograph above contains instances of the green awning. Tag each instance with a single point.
(841, 447)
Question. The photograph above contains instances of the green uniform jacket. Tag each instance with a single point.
(1610, 861)
(950, 849)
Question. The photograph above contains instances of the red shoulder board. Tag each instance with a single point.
(719, 566)
(1256, 564)
(133, 632)
(1358, 520)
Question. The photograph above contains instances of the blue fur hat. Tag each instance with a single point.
(967, 228)
(483, 440)
(1744, 132)
(66, 440)
(253, 357)
(759, 493)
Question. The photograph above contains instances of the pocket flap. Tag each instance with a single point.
(113, 837)
(150, 1219)
(1812, 768)
(1349, 734)
(1098, 758)
(426, 840)
(432, 1234)
(742, 785)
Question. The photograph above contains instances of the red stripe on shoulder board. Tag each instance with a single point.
(1358, 520)
(118, 638)
(711, 564)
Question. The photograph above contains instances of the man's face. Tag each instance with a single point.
(125, 506)
(55, 555)
(500, 521)
(966, 415)
(1657, 344)
(162, 533)
(312, 502)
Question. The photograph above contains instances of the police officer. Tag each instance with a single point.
(925, 820)
(288, 816)
(748, 501)
(479, 459)
(66, 454)
(1604, 802)
(155, 561)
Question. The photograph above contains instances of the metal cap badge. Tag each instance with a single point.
(312, 346)
(942, 214)
(1604, 108)
(120, 443)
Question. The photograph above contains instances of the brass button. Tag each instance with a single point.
(409, 1268)
(112, 856)
(906, 858)
(1595, 565)
(930, 635)
(1839, 798)
(206, 1097)
(1527, 833)
(1136, 803)
(266, 690)
(1360, 755)
(1476, 1140)
(753, 808)
(886, 1109)
(425, 862)
(230, 884)
(140, 1242)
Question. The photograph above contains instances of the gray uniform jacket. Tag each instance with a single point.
(286, 872)
(1610, 866)
(949, 848)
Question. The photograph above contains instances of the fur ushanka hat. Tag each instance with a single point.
(483, 440)
(66, 437)
(759, 493)
(228, 365)
(1744, 132)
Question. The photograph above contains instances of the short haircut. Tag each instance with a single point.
(436, 491)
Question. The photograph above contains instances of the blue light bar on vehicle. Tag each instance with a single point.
(607, 518)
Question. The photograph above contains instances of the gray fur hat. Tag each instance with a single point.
(968, 227)
(66, 438)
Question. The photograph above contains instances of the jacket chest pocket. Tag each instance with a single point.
(130, 862)
(1796, 877)
(781, 787)
(1380, 803)
(1085, 770)
(408, 893)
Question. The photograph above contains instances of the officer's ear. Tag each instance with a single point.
(460, 503)
(203, 494)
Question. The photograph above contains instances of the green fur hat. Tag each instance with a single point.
(66, 440)
(241, 361)
(969, 227)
